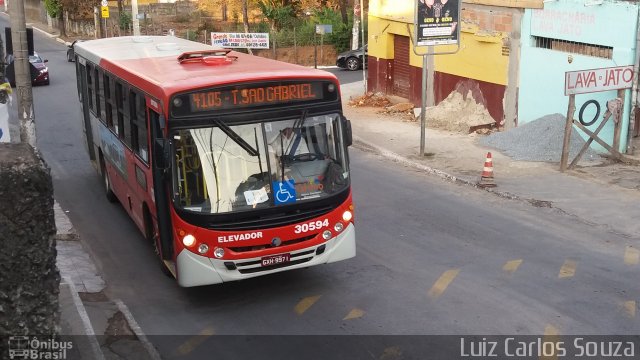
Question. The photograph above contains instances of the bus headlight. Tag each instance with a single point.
(218, 252)
(347, 216)
(326, 235)
(203, 248)
(338, 227)
(189, 240)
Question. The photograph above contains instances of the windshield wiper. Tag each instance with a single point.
(236, 138)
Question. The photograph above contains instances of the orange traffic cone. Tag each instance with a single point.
(486, 179)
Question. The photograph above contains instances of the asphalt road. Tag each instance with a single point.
(433, 258)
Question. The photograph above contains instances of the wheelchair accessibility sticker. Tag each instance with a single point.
(284, 192)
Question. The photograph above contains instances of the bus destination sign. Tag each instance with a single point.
(248, 96)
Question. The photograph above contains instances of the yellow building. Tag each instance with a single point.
(485, 64)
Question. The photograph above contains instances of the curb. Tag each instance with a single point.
(87, 328)
(46, 33)
(367, 146)
(133, 324)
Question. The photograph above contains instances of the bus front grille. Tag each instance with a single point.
(241, 249)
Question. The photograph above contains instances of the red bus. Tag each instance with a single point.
(232, 165)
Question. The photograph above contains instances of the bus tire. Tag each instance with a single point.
(106, 182)
(154, 240)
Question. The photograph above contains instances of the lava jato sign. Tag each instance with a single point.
(595, 80)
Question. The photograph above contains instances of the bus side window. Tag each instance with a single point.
(90, 87)
(96, 88)
(108, 104)
(139, 131)
(122, 115)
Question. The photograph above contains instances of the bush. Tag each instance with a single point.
(125, 21)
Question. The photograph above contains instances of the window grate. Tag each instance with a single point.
(574, 47)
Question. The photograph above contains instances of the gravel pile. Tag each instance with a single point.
(539, 140)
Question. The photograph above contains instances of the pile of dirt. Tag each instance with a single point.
(460, 113)
(370, 99)
(403, 110)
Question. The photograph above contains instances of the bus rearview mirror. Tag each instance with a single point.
(162, 153)
(348, 136)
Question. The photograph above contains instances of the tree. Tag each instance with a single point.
(279, 13)
(245, 18)
(56, 11)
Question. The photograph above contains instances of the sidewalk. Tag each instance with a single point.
(99, 327)
(603, 194)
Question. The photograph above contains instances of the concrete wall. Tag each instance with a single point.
(584, 29)
(29, 278)
(34, 9)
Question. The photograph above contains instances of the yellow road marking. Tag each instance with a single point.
(630, 308)
(392, 353)
(512, 266)
(189, 345)
(551, 330)
(354, 314)
(568, 269)
(305, 304)
(441, 285)
(550, 336)
(631, 256)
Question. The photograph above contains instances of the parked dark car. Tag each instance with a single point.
(352, 59)
(42, 74)
(71, 53)
(39, 70)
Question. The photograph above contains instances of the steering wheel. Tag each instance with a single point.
(306, 157)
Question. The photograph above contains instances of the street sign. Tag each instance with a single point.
(437, 22)
(324, 29)
(105, 12)
(595, 80)
(105, 3)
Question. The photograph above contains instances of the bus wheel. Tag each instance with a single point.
(107, 184)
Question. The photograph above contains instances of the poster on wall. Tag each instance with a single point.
(240, 40)
(437, 22)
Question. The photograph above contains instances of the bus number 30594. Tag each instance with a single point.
(311, 226)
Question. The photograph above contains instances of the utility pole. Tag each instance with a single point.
(364, 42)
(22, 69)
(134, 18)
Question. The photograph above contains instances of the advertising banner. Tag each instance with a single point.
(240, 40)
(437, 22)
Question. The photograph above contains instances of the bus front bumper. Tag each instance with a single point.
(197, 270)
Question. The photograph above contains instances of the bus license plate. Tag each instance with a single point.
(275, 259)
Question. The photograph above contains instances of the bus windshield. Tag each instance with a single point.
(227, 168)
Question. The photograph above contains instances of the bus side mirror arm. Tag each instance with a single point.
(162, 152)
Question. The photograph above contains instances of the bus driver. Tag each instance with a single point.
(289, 142)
